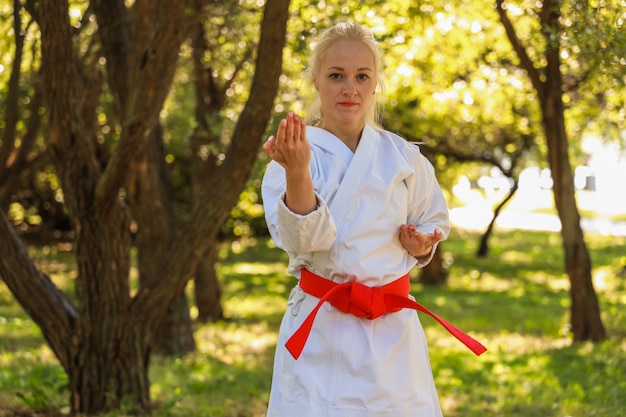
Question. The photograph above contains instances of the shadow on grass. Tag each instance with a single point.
(580, 380)
(496, 312)
(593, 374)
(228, 376)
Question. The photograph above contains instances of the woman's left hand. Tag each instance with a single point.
(418, 244)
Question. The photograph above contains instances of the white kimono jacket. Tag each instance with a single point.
(355, 367)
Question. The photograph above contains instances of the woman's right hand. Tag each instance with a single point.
(290, 147)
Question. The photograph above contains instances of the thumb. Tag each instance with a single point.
(437, 236)
(268, 146)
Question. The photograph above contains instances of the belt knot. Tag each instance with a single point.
(361, 300)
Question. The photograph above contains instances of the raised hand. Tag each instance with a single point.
(291, 149)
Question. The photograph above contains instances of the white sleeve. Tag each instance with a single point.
(428, 210)
(293, 232)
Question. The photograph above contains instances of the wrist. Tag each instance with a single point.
(300, 195)
(424, 254)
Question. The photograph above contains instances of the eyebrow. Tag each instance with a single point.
(343, 69)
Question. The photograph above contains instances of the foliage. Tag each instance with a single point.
(451, 77)
(516, 303)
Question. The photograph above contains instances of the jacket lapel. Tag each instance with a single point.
(358, 164)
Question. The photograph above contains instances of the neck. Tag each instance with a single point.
(349, 136)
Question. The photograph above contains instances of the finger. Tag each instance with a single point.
(437, 236)
(415, 234)
(407, 234)
(268, 146)
(296, 128)
(289, 127)
(280, 133)
(303, 130)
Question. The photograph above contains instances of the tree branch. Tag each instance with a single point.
(115, 36)
(520, 50)
(152, 71)
(48, 306)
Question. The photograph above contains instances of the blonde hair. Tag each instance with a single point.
(339, 32)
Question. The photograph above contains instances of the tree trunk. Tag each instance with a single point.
(586, 322)
(106, 353)
(107, 377)
(434, 273)
(207, 287)
(585, 312)
(45, 304)
(483, 247)
(150, 191)
(105, 356)
(150, 196)
(175, 334)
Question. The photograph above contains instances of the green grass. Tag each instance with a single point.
(515, 301)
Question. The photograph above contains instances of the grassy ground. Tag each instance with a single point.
(516, 302)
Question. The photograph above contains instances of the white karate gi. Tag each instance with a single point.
(355, 367)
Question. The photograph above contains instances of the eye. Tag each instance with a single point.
(362, 77)
(335, 76)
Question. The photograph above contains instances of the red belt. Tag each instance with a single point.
(363, 301)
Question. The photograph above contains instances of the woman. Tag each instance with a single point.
(355, 207)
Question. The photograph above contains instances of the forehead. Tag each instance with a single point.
(348, 54)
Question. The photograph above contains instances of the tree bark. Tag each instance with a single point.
(150, 197)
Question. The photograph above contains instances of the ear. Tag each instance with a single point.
(315, 84)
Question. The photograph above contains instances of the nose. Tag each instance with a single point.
(349, 88)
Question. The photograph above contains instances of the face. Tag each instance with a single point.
(345, 81)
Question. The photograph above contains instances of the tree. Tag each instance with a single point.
(217, 72)
(103, 339)
(545, 73)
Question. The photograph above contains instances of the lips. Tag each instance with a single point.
(348, 104)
